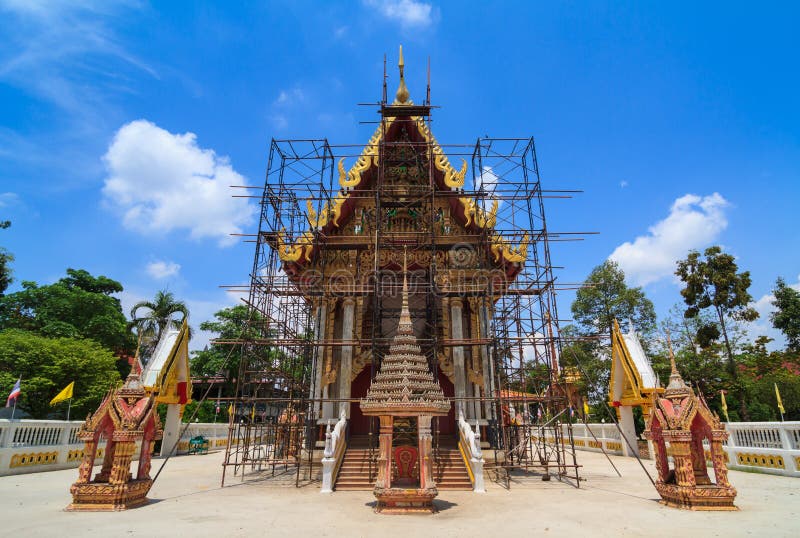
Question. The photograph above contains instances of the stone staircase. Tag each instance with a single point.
(449, 473)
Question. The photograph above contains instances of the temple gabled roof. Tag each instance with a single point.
(404, 384)
(465, 210)
(124, 409)
(633, 381)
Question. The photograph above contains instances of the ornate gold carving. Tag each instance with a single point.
(33, 458)
(446, 366)
(771, 461)
(452, 178)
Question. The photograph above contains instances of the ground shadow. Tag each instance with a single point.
(439, 505)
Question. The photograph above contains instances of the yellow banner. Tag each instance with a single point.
(724, 405)
(65, 394)
(780, 402)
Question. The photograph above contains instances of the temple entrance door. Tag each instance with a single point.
(447, 424)
(359, 423)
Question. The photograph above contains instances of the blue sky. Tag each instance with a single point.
(122, 123)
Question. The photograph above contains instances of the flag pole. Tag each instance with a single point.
(69, 407)
(14, 409)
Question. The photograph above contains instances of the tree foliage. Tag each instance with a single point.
(786, 317)
(711, 281)
(5, 263)
(606, 297)
(77, 306)
(228, 324)
(164, 310)
(47, 365)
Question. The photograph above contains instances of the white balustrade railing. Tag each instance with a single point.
(335, 445)
(29, 446)
(596, 437)
(470, 444)
(769, 447)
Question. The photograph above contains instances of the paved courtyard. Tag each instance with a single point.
(187, 501)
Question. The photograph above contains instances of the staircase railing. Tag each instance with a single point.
(469, 444)
(335, 447)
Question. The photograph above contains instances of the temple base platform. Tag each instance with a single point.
(405, 501)
(105, 497)
(704, 498)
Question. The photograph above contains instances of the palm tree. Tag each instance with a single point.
(161, 313)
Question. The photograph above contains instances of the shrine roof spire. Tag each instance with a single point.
(677, 387)
(401, 97)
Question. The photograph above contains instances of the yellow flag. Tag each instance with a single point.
(724, 406)
(230, 409)
(780, 402)
(65, 394)
(585, 408)
(253, 414)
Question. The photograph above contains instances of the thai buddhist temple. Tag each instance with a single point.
(402, 285)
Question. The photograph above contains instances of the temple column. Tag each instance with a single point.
(172, 430)
(718, 460)
(346, 366)
(488, 377)
(87, 463)
(459, 373)
(475, 363)
(682, 458)
(425, 452)
(627, 426)
(384, 478)
(143, 471)
(319, 355)
(121, 470)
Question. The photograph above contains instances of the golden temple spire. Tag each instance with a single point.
(401, 97)
(677, 387)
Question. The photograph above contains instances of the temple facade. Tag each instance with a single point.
(402, 197)
(341, 229)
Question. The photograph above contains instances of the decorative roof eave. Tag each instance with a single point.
(467, 210)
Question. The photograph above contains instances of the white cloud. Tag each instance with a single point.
(409, 13)
(60, 52)
(161, 269)
(290, 97)
(694, 222)
(161, 182)
(8, 199)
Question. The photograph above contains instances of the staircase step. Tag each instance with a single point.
(449, 470)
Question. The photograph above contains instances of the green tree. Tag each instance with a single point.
(605, 297)
(712, 281)
(5, 263)
(47, 365)
(77, 306)
(787, 316)
(164, 310)
(223, 359)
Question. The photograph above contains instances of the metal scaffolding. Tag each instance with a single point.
(275, 424)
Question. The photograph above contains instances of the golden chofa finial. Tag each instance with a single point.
(401, 97)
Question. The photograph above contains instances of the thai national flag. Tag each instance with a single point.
(15, 392)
